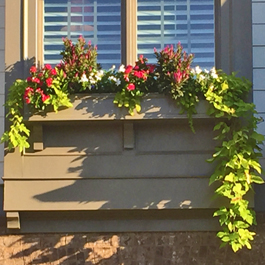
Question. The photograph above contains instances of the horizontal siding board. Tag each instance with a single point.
(113, 166)
(109, 194)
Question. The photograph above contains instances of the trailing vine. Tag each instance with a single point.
(238, 144)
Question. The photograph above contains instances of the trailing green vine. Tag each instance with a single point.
(238, 144)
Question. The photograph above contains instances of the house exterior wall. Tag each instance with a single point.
(2, 80)
(2, 99)
(138, 248)
(258, 31)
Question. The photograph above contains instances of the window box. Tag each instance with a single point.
(95, 157)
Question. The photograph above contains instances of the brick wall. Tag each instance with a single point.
(186, 248)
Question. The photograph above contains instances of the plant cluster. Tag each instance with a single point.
(173, 70)
(238, 144)
(79, 63)
(134, 82)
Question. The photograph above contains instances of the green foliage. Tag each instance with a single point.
(18, 133)
(236, 156)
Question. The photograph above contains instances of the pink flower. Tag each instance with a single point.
(33, 69)
(178, 76)
(39, 90)
(140, 74)
(44, 97)
(128, 69)
(53, 72)
(48, 67)
(35, 80)
(49, 82)
(151, 67)
(27, 100)
(27, 94)
(130, 87)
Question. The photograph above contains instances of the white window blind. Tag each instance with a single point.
(96, 20)
(166, 22)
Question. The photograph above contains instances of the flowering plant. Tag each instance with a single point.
(134, 82)
(79, 64)
(173, 70)
(237, 151)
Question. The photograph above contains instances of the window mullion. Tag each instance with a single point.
(129, 31)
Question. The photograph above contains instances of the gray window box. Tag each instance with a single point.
(95, 157)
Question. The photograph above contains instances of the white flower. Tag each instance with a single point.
(122, 68)
(113, 68)
(214, 73)
(201, 77)
(99, 75)
(215, 76)
(198, 70)
(112, 78)
(91, 79)
(83, 78)
(118, 82)
(206, 71)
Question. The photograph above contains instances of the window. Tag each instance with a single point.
(166, 22)
(98, 21)
(159, 23)
(232, 32)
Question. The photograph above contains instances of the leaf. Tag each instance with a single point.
(138, 107)
(257, 179)
(257, 136)
(230, 177)
(255, 165)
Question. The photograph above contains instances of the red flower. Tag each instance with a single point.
(140, 74)
(27, 94)
(151, 67)
(29, 79)
(48, 67)
(178, 76)
(128, 69)
(49, 82)
(44, 97)
(39, 90)
(141, 58)
(53, 72)
(130, 87)
(35, 80)
(33, 69)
